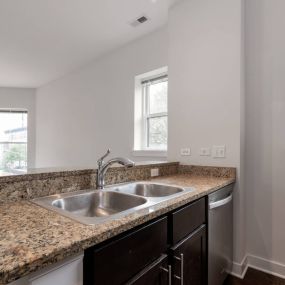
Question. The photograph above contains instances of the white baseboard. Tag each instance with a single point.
(258, 263)
(239, 269)
(267, 266)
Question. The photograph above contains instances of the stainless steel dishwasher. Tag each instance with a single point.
(220, 236)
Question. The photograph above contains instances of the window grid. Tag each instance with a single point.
(146, 107)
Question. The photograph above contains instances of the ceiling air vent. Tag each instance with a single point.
(139, 21)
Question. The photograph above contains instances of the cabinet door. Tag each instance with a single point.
(118, 261)
(186, 220)
(158, 273)
(189, 259)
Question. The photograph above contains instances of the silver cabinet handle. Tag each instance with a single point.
(221, 203)
(181, 277)
(169, 271)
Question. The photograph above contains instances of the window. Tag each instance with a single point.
(155, 115)
(151, 112)
(13, 141)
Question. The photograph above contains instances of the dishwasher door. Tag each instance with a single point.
(220, 235)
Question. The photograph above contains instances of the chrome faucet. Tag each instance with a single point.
(103, 167)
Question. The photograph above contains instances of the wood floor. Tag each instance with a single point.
(254, 277)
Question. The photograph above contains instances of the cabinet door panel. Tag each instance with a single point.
(194, 260)
(118, 261)
(154, 274)
(187, 219)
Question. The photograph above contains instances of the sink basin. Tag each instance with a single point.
(93, 207)
(149, 189)
(98, 204)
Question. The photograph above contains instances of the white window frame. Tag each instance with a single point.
(146, 112)
(142, 115)
(21, 111)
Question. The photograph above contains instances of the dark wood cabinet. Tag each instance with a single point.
(119, 260)
(157, 273)
(160, 252)
(184, 221)
(189, 259)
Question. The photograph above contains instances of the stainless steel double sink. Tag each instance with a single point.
(114, 202)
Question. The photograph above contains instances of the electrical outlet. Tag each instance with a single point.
(185, 151)
(154, 172)
(205, 151)
(219, 151)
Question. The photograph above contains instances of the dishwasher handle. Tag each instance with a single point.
(221, 203)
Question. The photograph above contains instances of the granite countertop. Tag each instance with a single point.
(32, 237)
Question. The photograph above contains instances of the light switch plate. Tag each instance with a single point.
(219, 151)
(185, 151)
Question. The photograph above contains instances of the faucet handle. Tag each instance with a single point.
(100, 160)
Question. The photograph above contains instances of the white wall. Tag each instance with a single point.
(205, 88)
(265, 131)
(22, 98)
(82, 114)
(204, 72)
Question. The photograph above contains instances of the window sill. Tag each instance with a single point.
(150, 153)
